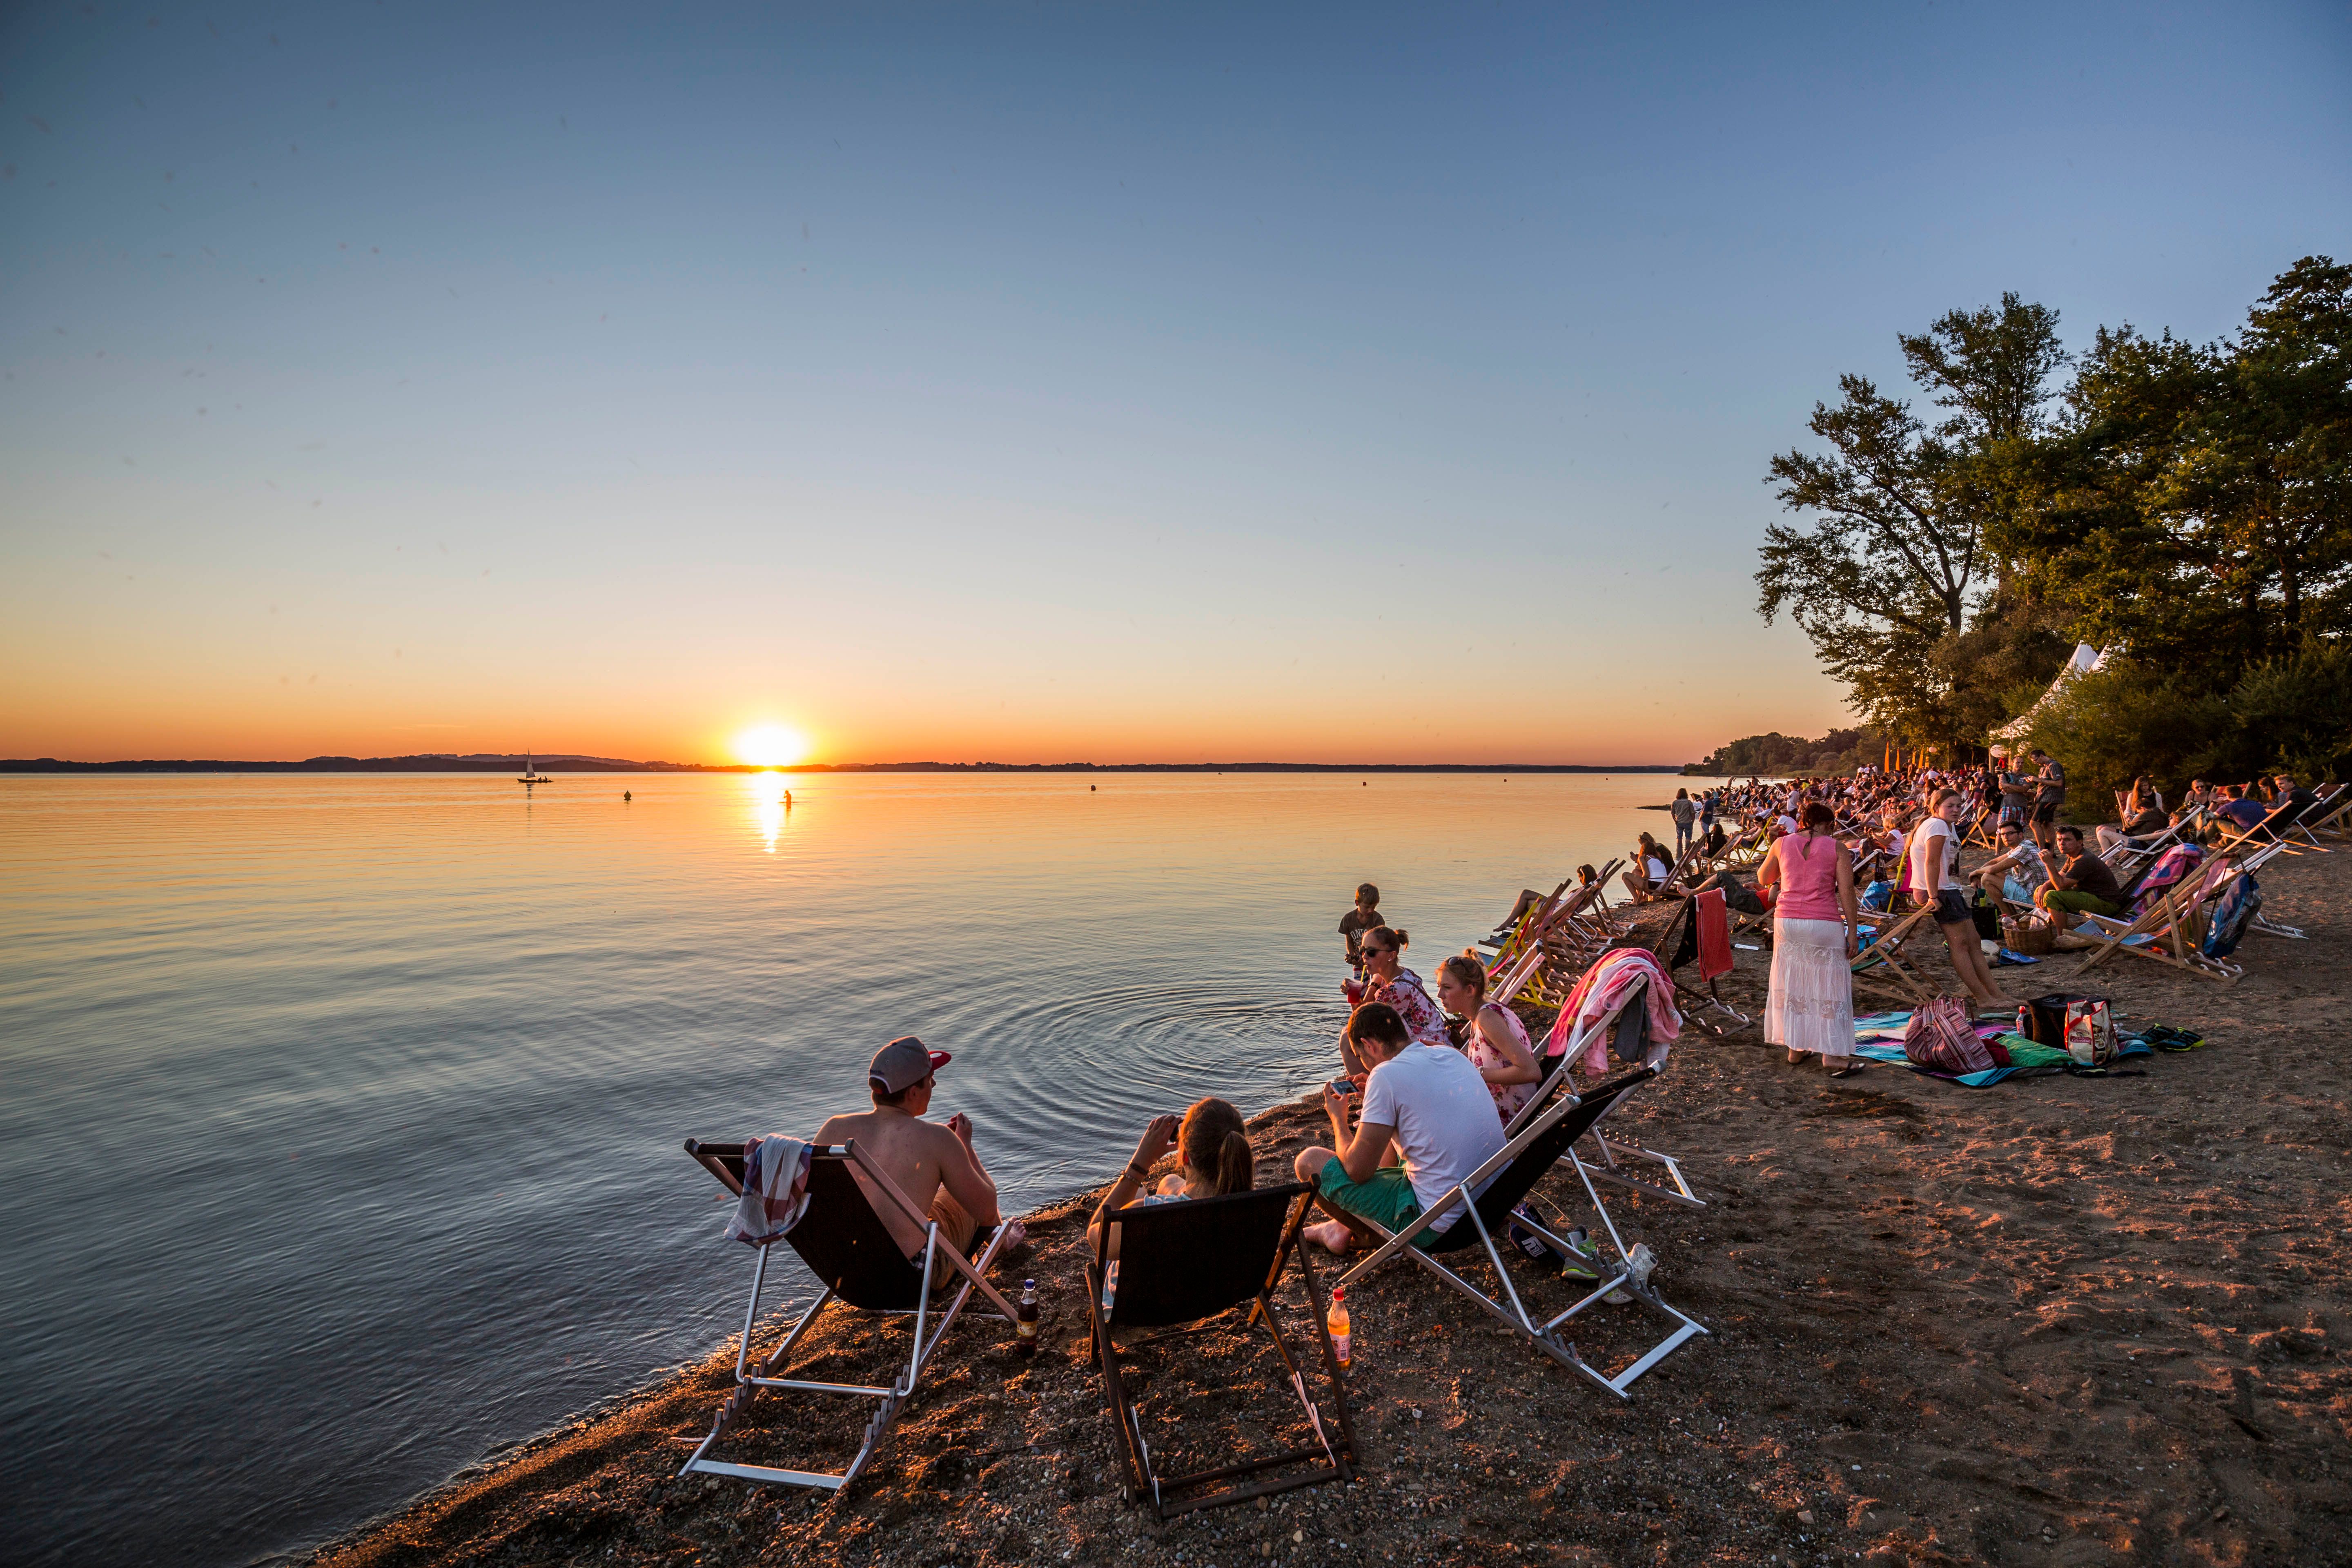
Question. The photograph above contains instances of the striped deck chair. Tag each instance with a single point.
(2161, 929)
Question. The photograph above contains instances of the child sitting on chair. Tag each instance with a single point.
(1214, 1159)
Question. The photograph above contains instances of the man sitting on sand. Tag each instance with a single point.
(1423, 1105)
(2016, 873)
(932, 1162)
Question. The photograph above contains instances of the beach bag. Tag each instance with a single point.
(2090, 1034)
(1879, 895)
(1942, 1037)
(2043, 1019)
(1986, 914)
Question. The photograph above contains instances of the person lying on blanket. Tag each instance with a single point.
(1214, 1159)
(2081, 883)
(1427, 1122)
(932, 1162)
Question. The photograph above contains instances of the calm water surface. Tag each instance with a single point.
(339, 1116)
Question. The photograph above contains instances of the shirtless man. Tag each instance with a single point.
(932, 1162)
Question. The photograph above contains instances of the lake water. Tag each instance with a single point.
(339, 1116)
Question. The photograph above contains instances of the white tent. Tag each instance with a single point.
(2085, 660)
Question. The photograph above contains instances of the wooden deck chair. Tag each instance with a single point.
(1881, 968)
(854, 1256)
(2334, 818)
(2299, 836)
(2164, 924)
(2271, 829)
(1626, 1026)
(1501, 1184)
(1180, 1264)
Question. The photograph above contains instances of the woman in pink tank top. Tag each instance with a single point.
(1810, 1009)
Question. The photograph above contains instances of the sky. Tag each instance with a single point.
(1031, 382)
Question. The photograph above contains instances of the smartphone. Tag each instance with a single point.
(1342, 1086)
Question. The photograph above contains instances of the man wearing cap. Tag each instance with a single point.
(932, 1162)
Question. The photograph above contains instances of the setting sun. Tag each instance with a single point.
(770, 746)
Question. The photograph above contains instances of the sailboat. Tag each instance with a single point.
(531, 775)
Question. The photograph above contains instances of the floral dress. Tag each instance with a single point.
(1508, 1097)
(1422, 1016)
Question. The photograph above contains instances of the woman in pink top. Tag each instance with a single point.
(1811, 1007)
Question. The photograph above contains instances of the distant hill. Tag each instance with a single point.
(560, 761)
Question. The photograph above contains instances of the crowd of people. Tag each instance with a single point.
(1431, 1077)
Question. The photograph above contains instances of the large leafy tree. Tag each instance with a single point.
(2195, 503)
(1885, 577)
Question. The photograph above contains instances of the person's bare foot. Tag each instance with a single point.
(1015, 1233)
(1332, 1235)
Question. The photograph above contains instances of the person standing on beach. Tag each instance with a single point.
(1809, 1007)
(2049, 795)
(1934, 852)
(1356, 922)
(1685, 815)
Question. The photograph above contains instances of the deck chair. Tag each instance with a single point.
(1507, 1176)
(845, 1244)
(2271, 829)
(2299, 836)
(2164, 925)
(1627, 1029)
(1881, 968)
(1180, 1264)
(2333, 815)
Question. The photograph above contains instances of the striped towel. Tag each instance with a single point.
(775, 1190)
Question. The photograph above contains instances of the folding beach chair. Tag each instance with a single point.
(1881, 968)
(2163, 926)
(854, 1256)
(2300, 838)
(1506, 1177)
(1626, 1027)
(2271, 829)
(2333, 815)
(1180, 1264)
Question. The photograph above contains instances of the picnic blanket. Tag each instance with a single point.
(1879, 1036)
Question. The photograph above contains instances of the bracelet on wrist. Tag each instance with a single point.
(1137, 1172)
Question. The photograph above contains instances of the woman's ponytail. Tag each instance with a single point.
(1237, 1165)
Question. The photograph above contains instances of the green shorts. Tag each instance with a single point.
(2080, 903)
(1385, 1197)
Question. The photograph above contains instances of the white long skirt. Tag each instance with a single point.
(1811, 1007)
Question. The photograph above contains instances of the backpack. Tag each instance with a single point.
(1942, 1037)
(2236, 911)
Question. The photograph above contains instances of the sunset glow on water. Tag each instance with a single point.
(365, 1094)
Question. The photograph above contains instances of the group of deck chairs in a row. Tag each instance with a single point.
(1183, 1268)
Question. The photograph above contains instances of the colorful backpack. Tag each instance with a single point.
(1942, 1037)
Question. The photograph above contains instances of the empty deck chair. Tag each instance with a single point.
(1881, 968)
(2299, 836)
(1506, 1177)
(1180, 1264)
(854, 1256)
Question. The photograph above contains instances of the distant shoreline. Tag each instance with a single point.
(564, 764)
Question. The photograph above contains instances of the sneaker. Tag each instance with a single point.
(1583, 1258)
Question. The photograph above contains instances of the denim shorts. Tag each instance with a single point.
(1952, 908)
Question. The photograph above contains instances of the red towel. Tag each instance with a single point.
(1714, 935)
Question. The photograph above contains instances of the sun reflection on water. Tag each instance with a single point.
(771, 798)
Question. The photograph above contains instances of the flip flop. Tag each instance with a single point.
(1851, 1067)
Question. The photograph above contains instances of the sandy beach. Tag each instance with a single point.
(2054, 1321)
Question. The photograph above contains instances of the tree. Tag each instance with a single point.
(1884, 581)
(2195, 504)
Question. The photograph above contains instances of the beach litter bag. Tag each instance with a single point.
(1942, 1037)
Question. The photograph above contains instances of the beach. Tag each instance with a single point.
(2057, 1320)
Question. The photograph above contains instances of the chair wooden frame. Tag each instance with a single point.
(1872, 967)
(725, 1160)
(2162, 923)
(1143, 1483)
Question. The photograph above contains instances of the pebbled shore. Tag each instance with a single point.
(2056, 1321)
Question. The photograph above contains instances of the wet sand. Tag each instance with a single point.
(2056, 1321)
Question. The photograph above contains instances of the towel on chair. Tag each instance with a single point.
(1604, 986)
(1714, 934)
(775, 1190)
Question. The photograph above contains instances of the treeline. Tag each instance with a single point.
(1839, 752)
(2186, 507)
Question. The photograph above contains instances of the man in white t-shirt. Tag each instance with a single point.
(1425, 1106)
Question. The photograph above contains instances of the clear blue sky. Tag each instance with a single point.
(1031, 382)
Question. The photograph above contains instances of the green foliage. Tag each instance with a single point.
(1772, 755)
(1884, 580)
(2292, 714)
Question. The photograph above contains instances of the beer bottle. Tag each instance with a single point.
(1025, 1319)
